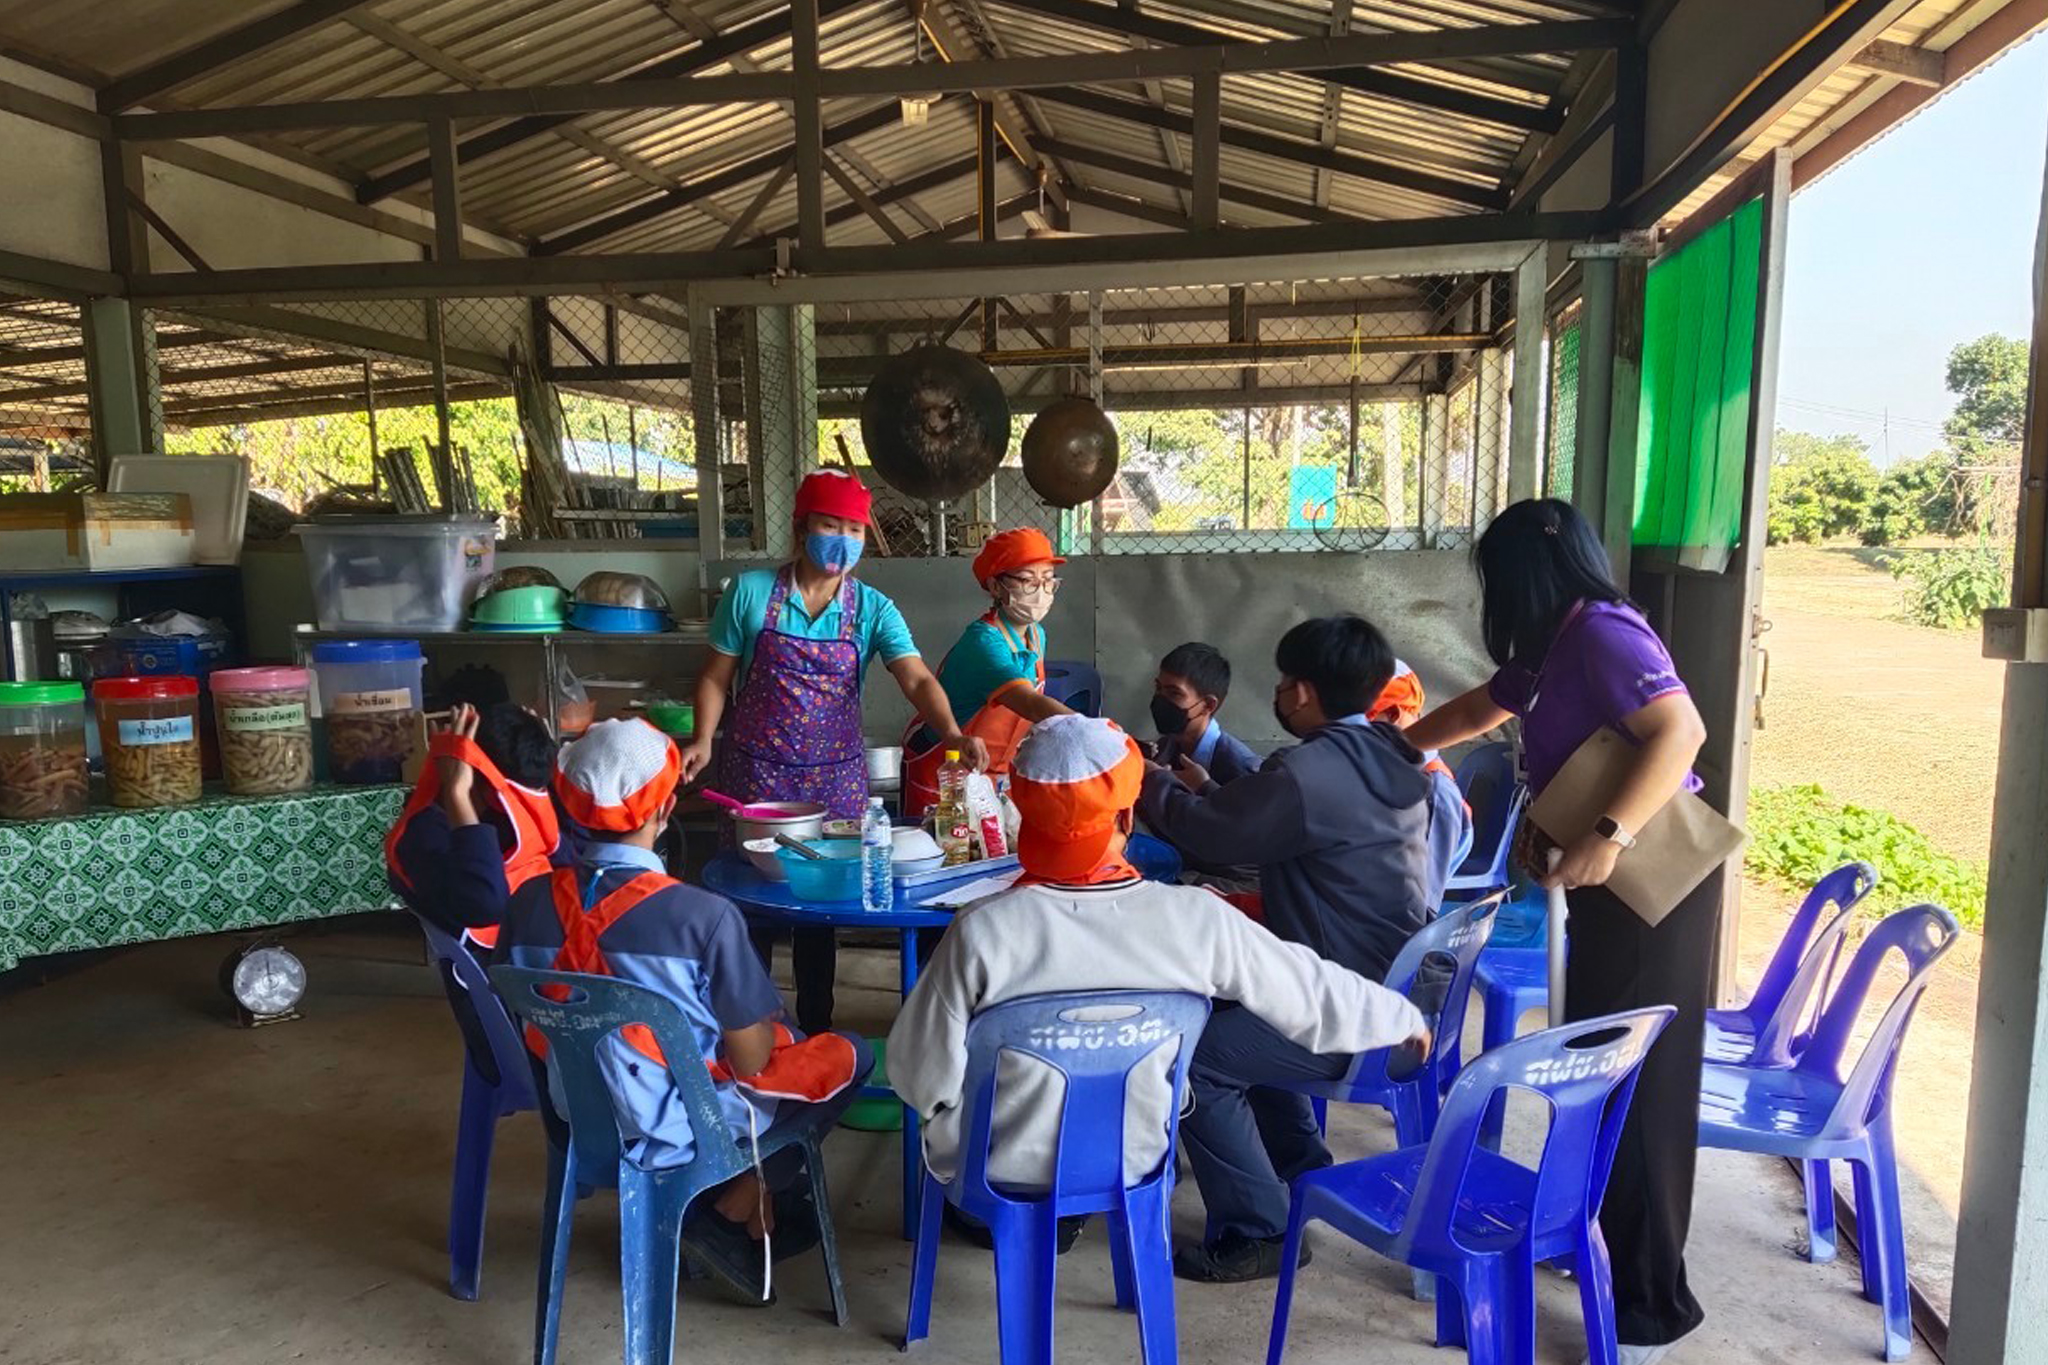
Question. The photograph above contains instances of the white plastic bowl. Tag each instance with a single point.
(761, 853)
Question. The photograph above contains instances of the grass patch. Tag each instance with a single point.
(1798, 834)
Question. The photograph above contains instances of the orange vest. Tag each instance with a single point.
(535, 831)
(999, 729)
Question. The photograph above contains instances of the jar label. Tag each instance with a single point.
(390, 699)
(242, 718)
(167, 730)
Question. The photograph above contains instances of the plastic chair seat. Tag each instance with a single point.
(1730, 1036)
(1776, 1113)
(1367, 1200)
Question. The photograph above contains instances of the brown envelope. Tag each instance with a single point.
(1673, 853)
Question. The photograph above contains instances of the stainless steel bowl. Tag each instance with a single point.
(799, 820)
(885, 768)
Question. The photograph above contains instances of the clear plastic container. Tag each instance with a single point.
(42, 750)
(149, 734)
(397, 573)
(264, 717)
(370, 699)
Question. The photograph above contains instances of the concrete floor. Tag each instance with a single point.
(178, 1190)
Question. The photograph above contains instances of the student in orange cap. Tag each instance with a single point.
(614, 911)
(995, 675)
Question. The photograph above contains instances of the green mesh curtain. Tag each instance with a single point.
(1692, 441)
(1563, 441)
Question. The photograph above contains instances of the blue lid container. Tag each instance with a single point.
(366, 651)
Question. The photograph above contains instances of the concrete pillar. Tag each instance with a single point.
(708, 431)
(1434, 466)
(1492, 404)
(782, 413)
(1595, 399)
(122, 392)
(1525, 413)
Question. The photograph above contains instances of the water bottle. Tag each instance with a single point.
(877, 860)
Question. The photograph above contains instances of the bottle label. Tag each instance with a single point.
(241, 719)
(385, 699)
(135, 734)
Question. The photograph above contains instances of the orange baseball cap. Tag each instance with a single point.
(1007, 551)
(616, 776)
(1072, 778)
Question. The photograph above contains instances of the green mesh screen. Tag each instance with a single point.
(1699, 334)
(1563, 440)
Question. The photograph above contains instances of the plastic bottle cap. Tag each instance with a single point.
(874, 802)
(952, 755)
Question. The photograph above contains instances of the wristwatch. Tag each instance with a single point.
(1609, 828)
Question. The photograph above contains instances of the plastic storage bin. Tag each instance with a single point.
(393, 574)
(370, 697)
(149, 735)
(42, 750)
(264, 719)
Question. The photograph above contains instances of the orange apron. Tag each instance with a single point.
(995, 725)
(535, 831)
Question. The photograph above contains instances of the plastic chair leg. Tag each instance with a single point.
(476, 1132)
(1025, 1271)
(1283, 1297)
(1450, 1314)
(1884, 1240)
(1321, 1107)
(1122, 1277)
(1820, 1213)
(650, 1255)
(1500, 1309)
(828, 1240)
(557, 1218)
(924, 1264)
(1143, 1229)
(1595, 1275)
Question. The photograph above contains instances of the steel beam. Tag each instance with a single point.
(901, 190)
(1137, 169)
(205, 57)
(289, 323)
(1131, 207)
(447, 190)
(808, 108)
(1177, 315)
(770, 187)
(1431, 95)
(1281, 148)
(864, 201)
(1913, 65)
(1206, 207)
(120, 184)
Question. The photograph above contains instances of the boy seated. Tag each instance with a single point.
(612, 910)
(479, 823)
(1083, 920)
(1193, 681)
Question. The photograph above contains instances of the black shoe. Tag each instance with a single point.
(1234, 1258)
(977, 1232)
(723, 1247)
(796, 1223)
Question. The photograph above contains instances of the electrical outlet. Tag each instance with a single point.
(2017, 634)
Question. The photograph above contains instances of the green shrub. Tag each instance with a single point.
(1797, 835)
(1953, 588)
(1913, 496)
(1819, 489)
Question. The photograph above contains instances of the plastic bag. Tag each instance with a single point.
(985, 816)
(574, 710)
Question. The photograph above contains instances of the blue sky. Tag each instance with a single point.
(1922, 240)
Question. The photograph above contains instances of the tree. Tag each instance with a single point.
(1913, 497)
(1821, 486)
(1988, 376)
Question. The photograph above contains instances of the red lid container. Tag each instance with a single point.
(144, 689)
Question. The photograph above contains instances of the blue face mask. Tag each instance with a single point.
(832, 552)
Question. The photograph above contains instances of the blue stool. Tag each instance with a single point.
(652, 1204)
(496, 1083)
(1511, 981)
(1814, 1113)
(1479, 1221)
(1075, 685)
(1094, 1040)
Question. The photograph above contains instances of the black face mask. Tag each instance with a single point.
(1281, 716)
(1168, 718)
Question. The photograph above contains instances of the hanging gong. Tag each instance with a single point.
(1070, 452)
(935, 422)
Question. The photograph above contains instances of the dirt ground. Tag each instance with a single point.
(1902, 719)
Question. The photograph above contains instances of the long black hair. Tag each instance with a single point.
(1535, 560)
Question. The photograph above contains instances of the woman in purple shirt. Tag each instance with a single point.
(1575, 655)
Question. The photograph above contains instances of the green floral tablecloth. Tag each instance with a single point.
(230, 862)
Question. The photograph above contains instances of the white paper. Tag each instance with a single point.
(952, 897)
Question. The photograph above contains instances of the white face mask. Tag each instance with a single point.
(1026, 607)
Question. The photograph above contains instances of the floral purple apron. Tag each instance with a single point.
(795, 733)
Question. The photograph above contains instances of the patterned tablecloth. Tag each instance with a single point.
(230, 862)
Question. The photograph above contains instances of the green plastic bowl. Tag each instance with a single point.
(672, 717)
(878, 1113)
(533, 607)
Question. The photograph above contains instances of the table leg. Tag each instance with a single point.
(913, 1153)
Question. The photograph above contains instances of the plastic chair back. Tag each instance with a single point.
(1922, 934)
(1586, 1073)
(1093, 1039)
(1074, 684)
(590, 1010)
(1494, 791)
(1803, 962)
(1434, 970)
(488, 1032)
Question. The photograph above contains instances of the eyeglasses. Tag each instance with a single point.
(1031, 584)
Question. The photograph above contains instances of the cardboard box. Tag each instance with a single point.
(54, 532)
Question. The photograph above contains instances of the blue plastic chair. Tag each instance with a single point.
(496, 1083)
(1459, 934)
(1075, 685)
(1772, 1028)
(652, 1204)
(1094, 1039)
(1512, 981)
(1815, 1112)
(1494, 792)
(1482, 1222)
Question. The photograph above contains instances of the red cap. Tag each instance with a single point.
(1008, 551)
(833, 493)
(1072, 779)
(145, 689)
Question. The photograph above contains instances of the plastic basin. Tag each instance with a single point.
(835, 877)
(618, 620)
(528, 607)
(677, 718)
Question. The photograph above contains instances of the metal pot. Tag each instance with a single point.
(885, 768)
(799, 820)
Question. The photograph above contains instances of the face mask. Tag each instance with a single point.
(1280, 713)
(1168, 717)
(832, 552)
(1026, 608)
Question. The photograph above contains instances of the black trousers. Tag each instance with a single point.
(1620, 963)
(813, 964)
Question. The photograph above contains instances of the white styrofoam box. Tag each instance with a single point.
(217, 484)
(96, 531)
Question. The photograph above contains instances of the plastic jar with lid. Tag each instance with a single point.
(149, 737)
(370, 701)
(42, 750)
(264, 719)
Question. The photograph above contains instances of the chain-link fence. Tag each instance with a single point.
(45, 425)
(1561, 429)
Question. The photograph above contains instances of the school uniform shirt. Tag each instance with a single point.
(456, 872)
(1219, 753)
(686, 943)
(1604, 663)
(743, 612)
(1130, 935)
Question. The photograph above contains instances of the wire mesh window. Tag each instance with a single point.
(1562, 429)
(45, 426)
